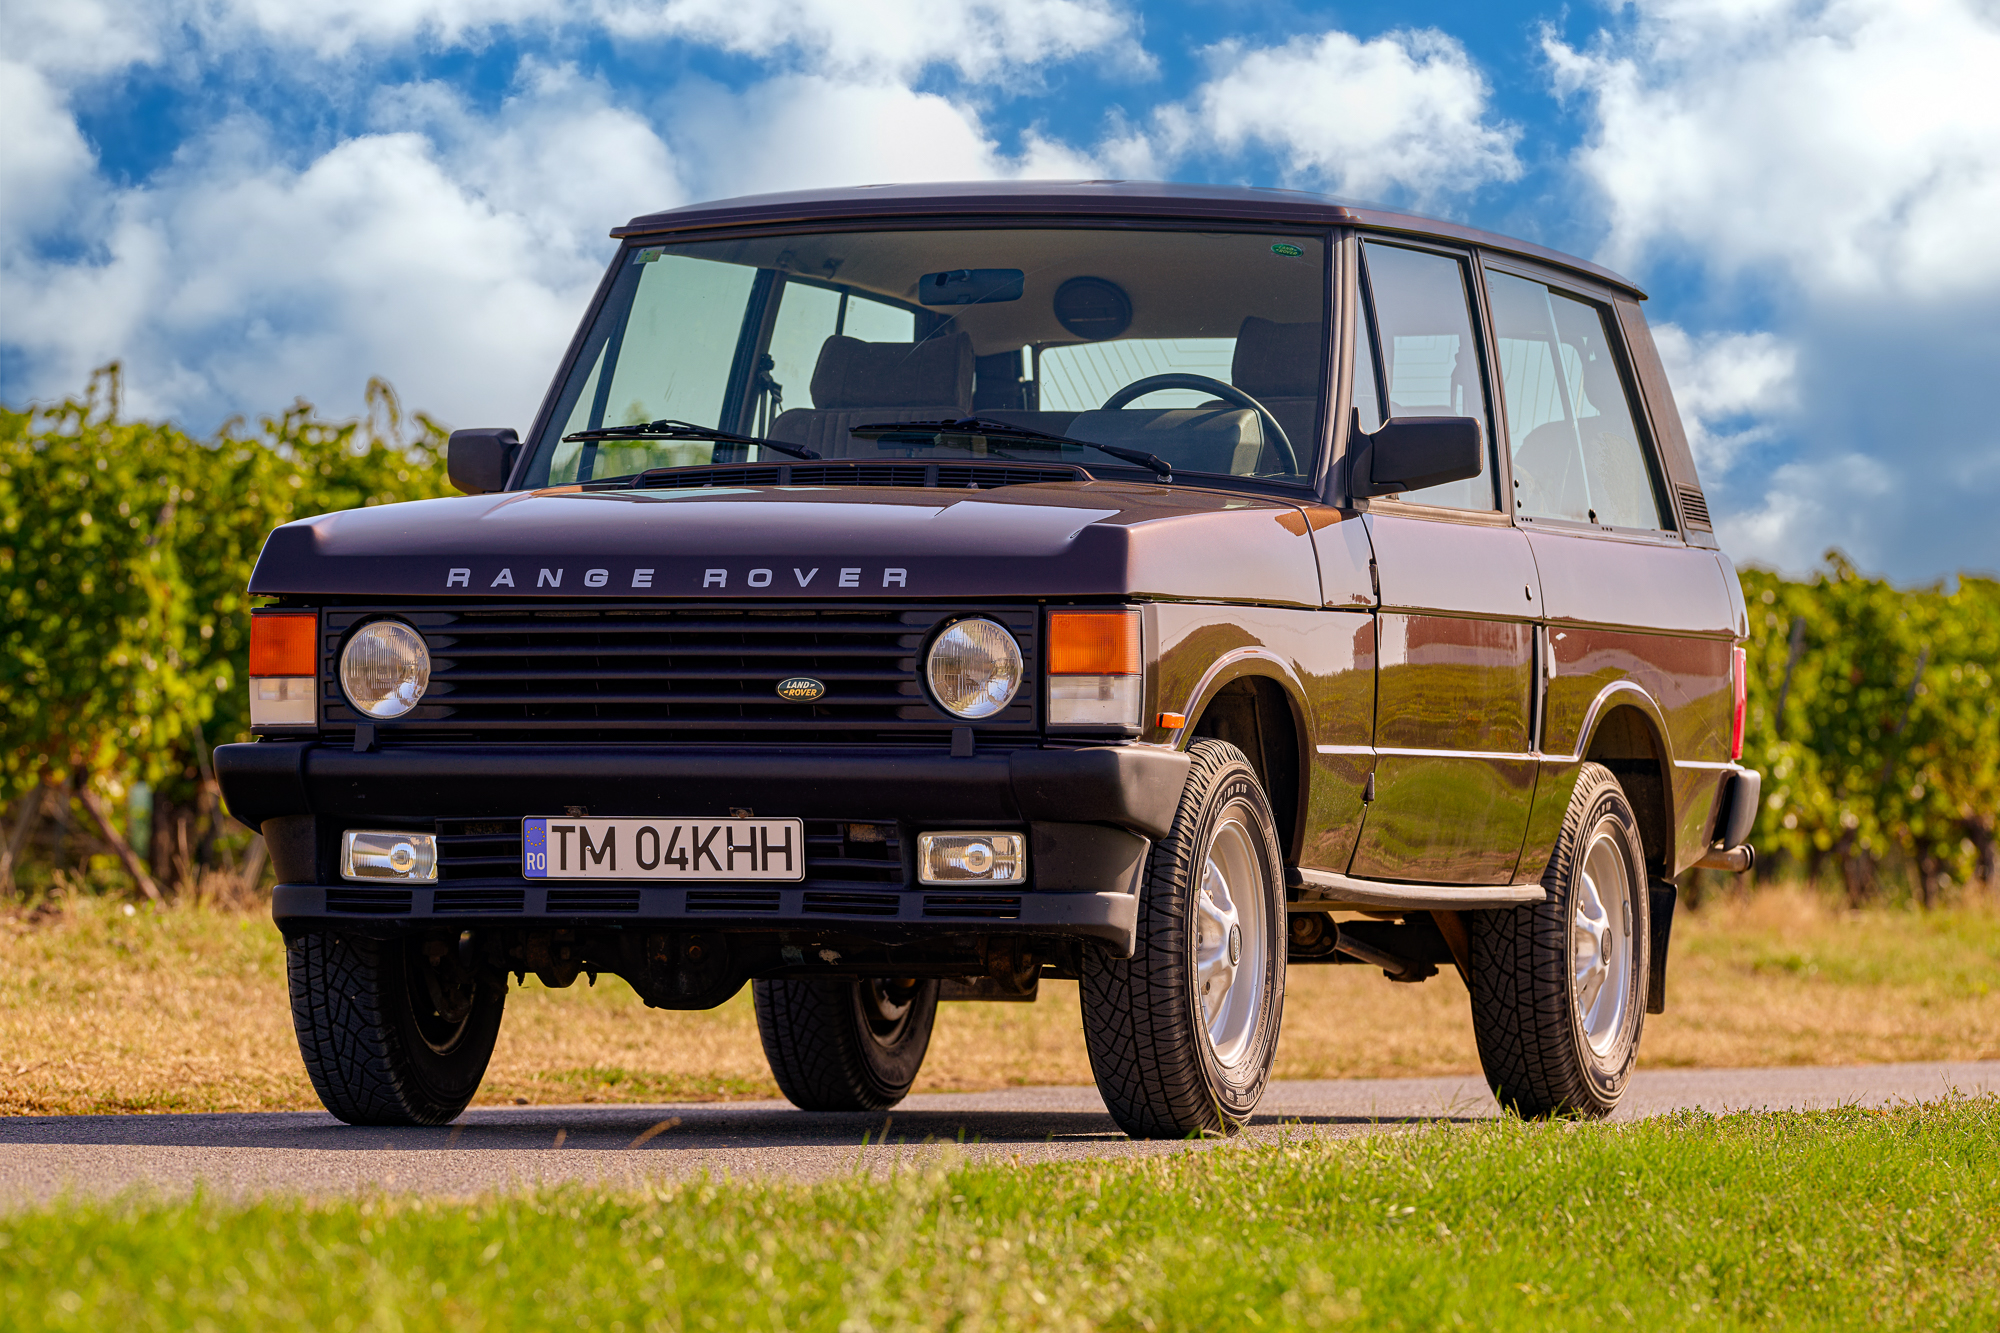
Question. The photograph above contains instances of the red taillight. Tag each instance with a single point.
(1739, 667)
(282, 645)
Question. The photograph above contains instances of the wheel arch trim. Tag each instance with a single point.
(1255, 661)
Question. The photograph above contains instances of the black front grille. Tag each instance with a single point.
(593, 900)
(479, 900)
(973, 906)
(647, 672)
(852, 904)
(369, 902)
(732, 900)
(962, 476)
(840, 856)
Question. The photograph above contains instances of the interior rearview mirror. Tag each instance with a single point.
(478, 460)
(1410, 453)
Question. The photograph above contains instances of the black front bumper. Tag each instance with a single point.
(1090, 812)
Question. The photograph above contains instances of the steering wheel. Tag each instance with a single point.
(1229, 393)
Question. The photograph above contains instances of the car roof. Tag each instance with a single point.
(1084, 199)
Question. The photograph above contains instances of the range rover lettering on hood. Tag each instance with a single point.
(646, 578)
(1107, 541)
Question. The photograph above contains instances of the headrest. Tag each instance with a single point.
(932, 373)
(1276, 360)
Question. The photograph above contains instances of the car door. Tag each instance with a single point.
(1454, 764)
(1626, 599)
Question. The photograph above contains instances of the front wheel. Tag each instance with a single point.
(845, 1045)
(392, 1032)
(1182, 1034)
(1559, 987)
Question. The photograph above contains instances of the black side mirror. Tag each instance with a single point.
(478, 460)
(1410, 453)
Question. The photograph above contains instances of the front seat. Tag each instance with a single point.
(857, 382)
(1279, 365)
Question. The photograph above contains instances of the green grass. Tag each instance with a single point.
(1837, 1219)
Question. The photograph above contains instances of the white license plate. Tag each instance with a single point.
(559, 847)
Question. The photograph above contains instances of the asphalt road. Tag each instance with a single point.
(495, 1147)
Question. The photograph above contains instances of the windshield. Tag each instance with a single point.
(801, 338)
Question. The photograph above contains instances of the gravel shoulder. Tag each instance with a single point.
(302, 1152)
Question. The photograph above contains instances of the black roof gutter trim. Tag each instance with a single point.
(1088, 199)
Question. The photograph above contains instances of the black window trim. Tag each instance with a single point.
(1366, 325)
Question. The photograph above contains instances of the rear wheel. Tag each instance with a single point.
(1558, 987)
(1182, 1034)
(845, 1045)
(392, 1032)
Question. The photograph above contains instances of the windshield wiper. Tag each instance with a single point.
(669, 429)
(1001, 430)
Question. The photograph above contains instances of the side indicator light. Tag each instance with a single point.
(1093, 643)
(1172, 721)
(283, 644)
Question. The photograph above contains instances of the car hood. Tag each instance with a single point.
(1044, 540)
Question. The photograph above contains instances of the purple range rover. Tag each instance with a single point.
(904, 595)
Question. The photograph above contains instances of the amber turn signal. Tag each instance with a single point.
(283, 645)
(1093, 643)
(1172, 721)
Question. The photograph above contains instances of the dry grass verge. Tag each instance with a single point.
(106, 1008)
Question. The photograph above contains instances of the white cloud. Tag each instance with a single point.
(799, 132)
(1811, 505)
(1404, 112)
(1840, 159)
(455, 262)
(981, 39)
(1723, 381)
(82, 37)
(44, 160)
(1854, 145)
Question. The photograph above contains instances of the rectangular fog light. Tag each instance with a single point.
(375, 854)
(966, 858)
(281, 701)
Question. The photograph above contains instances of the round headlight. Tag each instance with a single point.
(974, 668)
(385, 669)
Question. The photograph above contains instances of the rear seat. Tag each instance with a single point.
(855, 383)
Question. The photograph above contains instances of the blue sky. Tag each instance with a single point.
(251, 200)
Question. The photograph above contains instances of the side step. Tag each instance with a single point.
(1322, 890)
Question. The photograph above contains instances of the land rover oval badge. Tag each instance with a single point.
(800, 689)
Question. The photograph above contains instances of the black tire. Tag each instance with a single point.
(845, 1045)
(1161, 1073)
(1547, 1042)
(393, 1033)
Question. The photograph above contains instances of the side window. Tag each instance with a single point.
(1429, 356)
(1576, 451)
